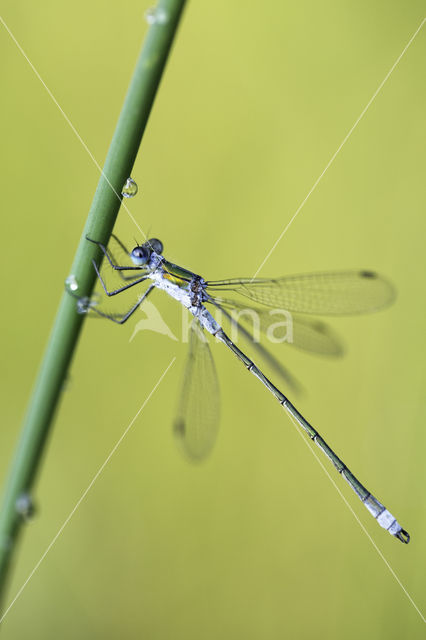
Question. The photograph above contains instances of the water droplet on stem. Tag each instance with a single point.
(156, 15)
(71, 283)
(24, 506)
(129, 189)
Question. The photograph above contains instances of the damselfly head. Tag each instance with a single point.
(140, 255)
(155, 245)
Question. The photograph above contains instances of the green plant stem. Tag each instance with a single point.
(100, 221)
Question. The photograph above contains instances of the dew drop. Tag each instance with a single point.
(71, 283)
(24, 506)
(150, 15)
(130, 188)
(156, 15)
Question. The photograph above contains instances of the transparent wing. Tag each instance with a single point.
(308, 334)
(332, 293)
(197, 421)
(312, 335)
(251, 337)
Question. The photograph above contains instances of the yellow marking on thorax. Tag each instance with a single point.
(176, 280)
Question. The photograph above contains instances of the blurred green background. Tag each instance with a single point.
(256, 542)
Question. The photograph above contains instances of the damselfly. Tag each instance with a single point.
(334, 293)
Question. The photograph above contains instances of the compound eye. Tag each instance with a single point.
(139, 256)
(156, 245)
